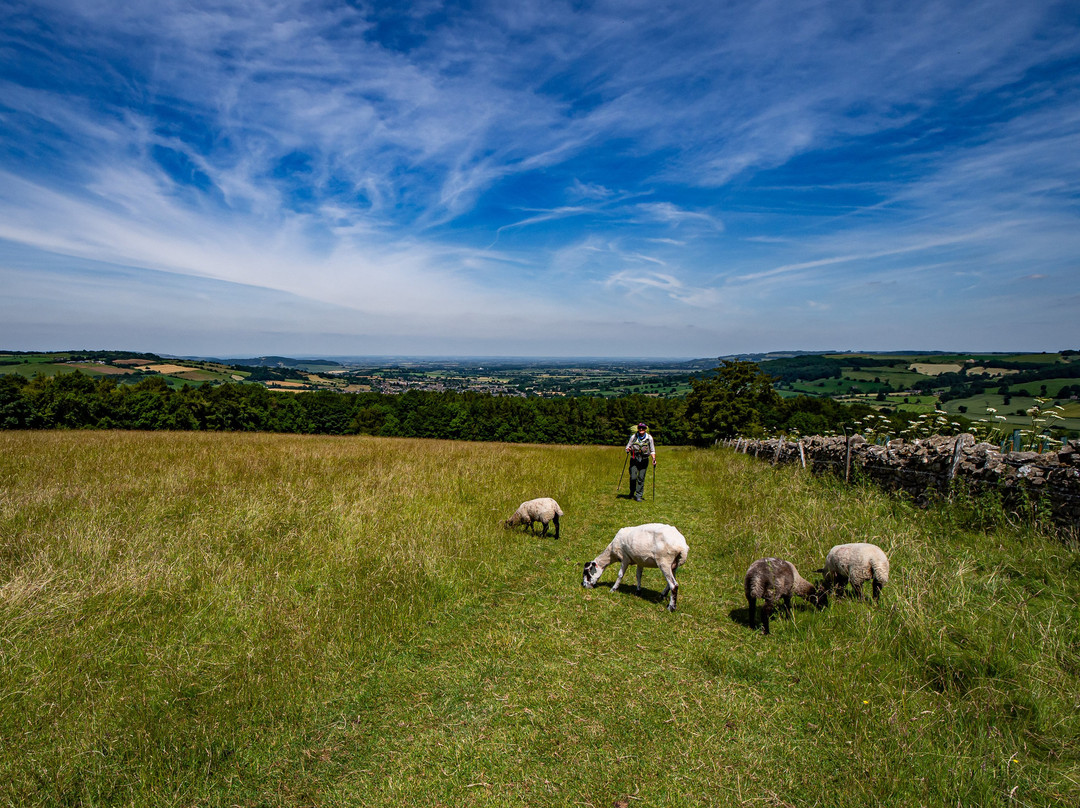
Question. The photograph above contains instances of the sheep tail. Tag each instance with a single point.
(880, 572)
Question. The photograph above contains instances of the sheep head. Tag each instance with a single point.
(592, 574)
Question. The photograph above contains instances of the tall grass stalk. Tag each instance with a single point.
(192, 619)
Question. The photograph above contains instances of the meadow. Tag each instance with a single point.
(197, 619)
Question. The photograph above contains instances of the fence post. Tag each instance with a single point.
(958, 451)
(802, 454)
(1016, 440)
(779, 450)
(847, 461)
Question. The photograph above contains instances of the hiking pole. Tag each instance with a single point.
(621, 473)
(654, 482)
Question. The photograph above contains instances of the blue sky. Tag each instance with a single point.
(539, 178)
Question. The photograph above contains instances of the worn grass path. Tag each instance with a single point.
(220, 620)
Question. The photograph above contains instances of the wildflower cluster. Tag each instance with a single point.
(989, 430)
(874, 427)
(931, 423)
(1037, 436)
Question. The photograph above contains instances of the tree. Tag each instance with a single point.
(732, 402)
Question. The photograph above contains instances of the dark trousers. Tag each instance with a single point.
(638, 468)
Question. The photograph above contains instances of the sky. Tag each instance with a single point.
(539, 178)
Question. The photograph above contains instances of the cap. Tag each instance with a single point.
(642, 426)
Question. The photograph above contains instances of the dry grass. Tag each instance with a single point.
(193, 619)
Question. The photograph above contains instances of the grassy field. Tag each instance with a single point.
(1053, 386)
(1015, 413)
(899, 377)
(34, 367)
(215, 620)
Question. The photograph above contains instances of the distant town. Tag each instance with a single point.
(999, 385)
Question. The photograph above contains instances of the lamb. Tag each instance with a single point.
(651, 545)
(772, 579)
(856, 564)
(544, 510)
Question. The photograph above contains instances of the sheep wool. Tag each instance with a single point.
(856, 564)
(651, 545)
(773, 579)
(544, 510)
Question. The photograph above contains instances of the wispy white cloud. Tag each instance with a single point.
(374, 161)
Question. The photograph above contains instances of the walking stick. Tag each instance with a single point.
(621, 473)
(654, 482)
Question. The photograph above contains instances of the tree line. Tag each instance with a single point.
(737, 399)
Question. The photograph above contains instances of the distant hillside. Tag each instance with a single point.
(280, 362)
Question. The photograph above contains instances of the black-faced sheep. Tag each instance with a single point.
(856, 564)
(773, 579)
(544, 510)
(651, 545)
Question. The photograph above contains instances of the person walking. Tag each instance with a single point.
(641, 448)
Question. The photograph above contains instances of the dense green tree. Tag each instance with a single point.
(730, 402)
(738, 399)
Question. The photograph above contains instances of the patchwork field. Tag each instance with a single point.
(935, 369)
(30, 369)
(247, 619)
(1015, 412)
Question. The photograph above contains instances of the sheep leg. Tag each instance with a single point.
(839, 585)
(766, 611)
(556, 521)
(787, 603)
(622, 572)
(545, 524)
(856, 586)
(673, 586)
(877, 589)
(752, 604)
(639, 580)
(674, 569)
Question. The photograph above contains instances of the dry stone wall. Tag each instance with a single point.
(926, 465)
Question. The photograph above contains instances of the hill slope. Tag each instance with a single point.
(288, 620)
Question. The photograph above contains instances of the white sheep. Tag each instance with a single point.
(544, 510)
(771, 579)
(856, 564)
(651, 545)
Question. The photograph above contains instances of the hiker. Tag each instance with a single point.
(641, 448)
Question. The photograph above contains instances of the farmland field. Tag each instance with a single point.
(900, 378)
(247, 619)
(935, 369)
(1053, 386)
(30, 369)
(1015, 412)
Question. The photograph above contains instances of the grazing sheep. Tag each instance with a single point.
(856, 564)
(544, 510)
(652, 545)
(772, 579)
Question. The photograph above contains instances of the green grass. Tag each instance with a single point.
(824, 387)
(899, 378)
(1046, 358)
(34, 368)
(216, 620)
(1053, 386)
